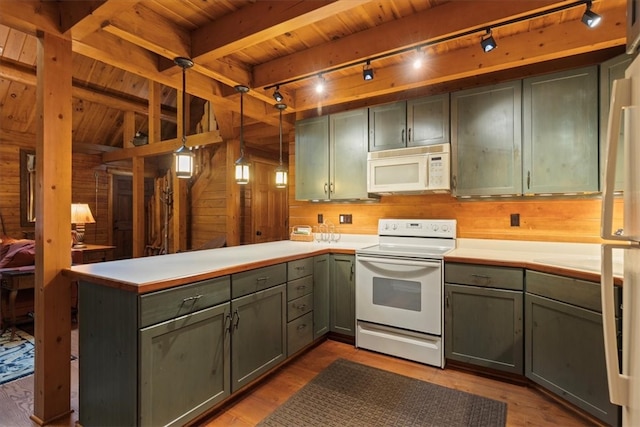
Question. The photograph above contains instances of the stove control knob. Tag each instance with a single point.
(445, 228)
(394, 226)
(434, 227)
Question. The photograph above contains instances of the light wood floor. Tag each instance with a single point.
(525, 405)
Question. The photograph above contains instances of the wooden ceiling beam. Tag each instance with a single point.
(29, 16)
(568, 39)
(261, 21)
(27, 77)
(159, 148)
(430, 24)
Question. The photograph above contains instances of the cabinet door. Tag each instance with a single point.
(321, 302)
(184, 366)
(258, 340)
(348, 151)
(486, 140)
(387, 126)
(560, 138)
(483, 326)
(312, 159)
(343, 294)
(611, 70)
(564, 352)
(428, 120)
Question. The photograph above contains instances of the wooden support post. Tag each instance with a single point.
(52, 383)
(155, 100)
(139, 241)
(233, 195)
(128, 128)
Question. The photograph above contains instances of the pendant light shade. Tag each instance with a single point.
(242, 166)
(184, 157)
(281, 171)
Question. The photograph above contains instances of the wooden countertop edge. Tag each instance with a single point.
(569, 272)
(166, 284)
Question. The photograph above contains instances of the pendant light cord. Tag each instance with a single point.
(241, 124)
(184, 109)
(281, 137)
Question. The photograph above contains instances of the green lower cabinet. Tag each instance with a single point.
(343, 294)
(483, 326)
(564, 348)
(321, 294)
(184, 367)
(258, 334)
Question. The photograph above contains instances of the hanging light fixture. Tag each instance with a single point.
(281, 171)
(242, 166)
(488, 43)
(367, 71)
(183, 155)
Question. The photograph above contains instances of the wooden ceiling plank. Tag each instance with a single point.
(568, 39)
(402, 33)
(81, 18)
(16, 73)
(74, 12)
(163, 147)
(261, 21)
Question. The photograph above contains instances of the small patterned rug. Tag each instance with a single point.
(350, 394)
(16, 356)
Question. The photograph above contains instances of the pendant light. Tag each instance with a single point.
(281, 171)
(242, 166)
(183, 155)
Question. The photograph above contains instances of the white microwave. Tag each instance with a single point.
(414, 170)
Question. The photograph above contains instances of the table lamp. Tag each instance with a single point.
(80, 215)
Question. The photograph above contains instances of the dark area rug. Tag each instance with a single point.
(349, 394)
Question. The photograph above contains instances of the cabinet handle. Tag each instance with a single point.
(402, 136)
(409, 135)
(326, 186)
(528, 180)
(299, 268)
(446, 299)
(454, 182)
(352, 271)
(302, 307)
(301, 287)
(262, 279)
(228, 317)
(332, 188)
(237, 316)
(193, 300)
(301, 327)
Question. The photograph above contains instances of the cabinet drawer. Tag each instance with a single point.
(582, 293)
(169, 303)
(299, 306)
(256, 280)
(484, 275)
(299, 333)
(299, 268)
(299, 287)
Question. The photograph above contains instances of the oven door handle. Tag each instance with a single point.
(399, 261)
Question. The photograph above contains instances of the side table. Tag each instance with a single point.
(14, 281)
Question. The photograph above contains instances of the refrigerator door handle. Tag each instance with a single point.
(620, 98)
(618, 382)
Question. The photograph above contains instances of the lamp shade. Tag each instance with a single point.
(81, 214)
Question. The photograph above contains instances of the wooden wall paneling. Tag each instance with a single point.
(52, 381)
(90, 185)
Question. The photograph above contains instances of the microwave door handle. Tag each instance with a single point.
(617, 381)
(620, 98)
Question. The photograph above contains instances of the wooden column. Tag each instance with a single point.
(138, 207)
(128, 128)
(52, 386)
(233, 194)
(155, 101)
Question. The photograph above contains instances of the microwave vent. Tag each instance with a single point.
(410, 151)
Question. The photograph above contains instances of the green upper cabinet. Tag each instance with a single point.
(611, 70)
(428, 120)
(560, 132)
(486, 136)
(331, 157)
(312, 158)
(388, 126)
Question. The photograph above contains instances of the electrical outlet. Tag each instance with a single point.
(515, 220)
(320, 219)
(345, 218)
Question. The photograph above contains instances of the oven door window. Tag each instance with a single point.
(402, 294)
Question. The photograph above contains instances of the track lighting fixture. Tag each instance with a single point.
(242, 165)
(488, 43)
(277, 95)
(590, 18)
(367, 71)
(417, 62)
(320, 84)
(281, 171)
(183, 155)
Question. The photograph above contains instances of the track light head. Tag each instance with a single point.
(277, 95)
(367, 72)
(320, 84)
(590, 18)
(488, 43)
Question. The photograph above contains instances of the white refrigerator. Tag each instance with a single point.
(624, 378)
